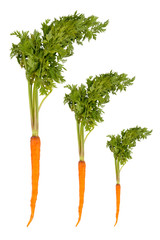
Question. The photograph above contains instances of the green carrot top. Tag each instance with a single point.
(42, 54)
(122, 145)
(87, 102)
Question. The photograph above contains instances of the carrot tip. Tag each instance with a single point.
(30, 220)
(28, 224)
(115, 224)
(78, 222)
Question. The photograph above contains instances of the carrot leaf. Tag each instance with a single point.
(42, 54)
(87, 101)
(122, 144)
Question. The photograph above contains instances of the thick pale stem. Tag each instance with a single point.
(80, 136)
(82, 142)
(35, 112)
(117, 168)
(30, 102)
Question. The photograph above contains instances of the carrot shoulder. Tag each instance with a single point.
(81, 170)
(118, 190)
(35, 158)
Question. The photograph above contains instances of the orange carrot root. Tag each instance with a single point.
(118, 190)
(81, 170)
(35, 157)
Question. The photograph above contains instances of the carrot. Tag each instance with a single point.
(118, 190)
(35, 158)
(121, 146)
(81, 170)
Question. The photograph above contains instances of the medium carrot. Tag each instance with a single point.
(118, 190)
(35, 158)
(81, 170)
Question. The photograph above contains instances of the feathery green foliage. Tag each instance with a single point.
(88, 101)
(121, 145)
(42, 54)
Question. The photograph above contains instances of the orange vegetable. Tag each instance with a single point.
(121, 146)
(118, 190)
(81, 170)
(35, 158)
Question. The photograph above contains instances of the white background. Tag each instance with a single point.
(131, 44)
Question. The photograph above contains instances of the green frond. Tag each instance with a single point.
(122, 144)
(87, 101)
(42, 55)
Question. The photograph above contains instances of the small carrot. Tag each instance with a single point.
(118, 190)
(35, 158)
(121, 146)
(81, 170)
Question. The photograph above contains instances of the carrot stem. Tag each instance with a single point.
(35, 112)
(80, 136)
(30, 102)
(43, 100)
(88, 134)
(33, 105)
(117, 168)
(79, 139)
(82, 142)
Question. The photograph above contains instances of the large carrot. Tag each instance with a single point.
(35, 157)
(121, 146)
(81, 170)
(118, 189)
